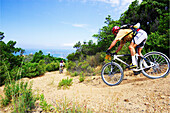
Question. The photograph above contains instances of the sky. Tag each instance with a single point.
(56, 24)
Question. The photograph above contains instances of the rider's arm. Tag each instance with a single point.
(113, 44)
(120, 46)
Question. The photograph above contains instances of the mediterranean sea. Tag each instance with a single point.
(60, 53)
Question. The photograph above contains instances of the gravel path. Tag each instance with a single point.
(136, 94)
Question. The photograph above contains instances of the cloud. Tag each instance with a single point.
(68, 44)
(111, 2)
(80, 25)
(75, 24)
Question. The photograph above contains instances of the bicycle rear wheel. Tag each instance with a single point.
(112, 74)
(158, 63)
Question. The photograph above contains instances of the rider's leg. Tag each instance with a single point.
(139, 39)
(132, 51)
(140, 53)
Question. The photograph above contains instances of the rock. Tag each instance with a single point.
(162, 96)
(147, 104)
(126, 100)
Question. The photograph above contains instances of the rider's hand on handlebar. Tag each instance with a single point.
(108, 52)
(114, 53)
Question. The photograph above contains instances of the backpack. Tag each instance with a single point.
(135, 28)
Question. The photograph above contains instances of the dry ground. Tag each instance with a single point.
(136, 94)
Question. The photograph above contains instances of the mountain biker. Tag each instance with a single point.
(131, 33)
(61, 64)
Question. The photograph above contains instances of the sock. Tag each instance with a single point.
(134, 62)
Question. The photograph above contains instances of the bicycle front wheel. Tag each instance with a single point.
(112, 74)
(158, 63)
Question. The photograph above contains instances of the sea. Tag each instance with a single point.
(59, 53)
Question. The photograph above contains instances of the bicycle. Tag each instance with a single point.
(158, 66)
(61, 69)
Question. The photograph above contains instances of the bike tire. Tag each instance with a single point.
(60, 71)
(112, 74)
(161, 65)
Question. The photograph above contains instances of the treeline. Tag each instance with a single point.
(14, 67)
(153, 16)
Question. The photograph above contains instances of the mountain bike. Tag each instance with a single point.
(153, 65)
(61, 69)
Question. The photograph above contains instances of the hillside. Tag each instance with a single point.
(134, 94)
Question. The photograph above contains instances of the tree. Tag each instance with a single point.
(147, 13)
(37, 57)
(8, 61)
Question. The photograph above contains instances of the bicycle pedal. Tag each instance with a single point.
(128, 67)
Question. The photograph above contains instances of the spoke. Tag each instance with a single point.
(152, 59)
(159, 60)
(149, 58)
(163, 62)
(158, 57)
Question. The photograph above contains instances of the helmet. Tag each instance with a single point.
(115, 29)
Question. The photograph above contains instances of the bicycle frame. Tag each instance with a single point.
(116, 57)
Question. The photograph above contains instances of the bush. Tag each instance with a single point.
(86, 64)
(44, 105)
(31, 70)
(41, 67)
(65, 83)
(71, 65)
(20, 95)
(52, 66)
(81, 78)
(74, 74)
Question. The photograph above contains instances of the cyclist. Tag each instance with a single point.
(131, 33)
(61, 64)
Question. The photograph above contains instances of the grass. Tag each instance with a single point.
(65, 83)
(66, 106)
(44, 105)
(19, 95)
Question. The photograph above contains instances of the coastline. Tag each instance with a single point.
(60, 53)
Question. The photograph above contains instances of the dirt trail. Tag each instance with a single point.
(134, 94)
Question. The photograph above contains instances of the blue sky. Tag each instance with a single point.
(55, 24)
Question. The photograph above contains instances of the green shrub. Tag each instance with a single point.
(21, 96)
(31, 70)
(65, 83)
(52, 66)
(90, 69)
(84, 66)
(91, 61)
(81, 78)
(74, 74)
(71, 65)
(95, 60)
(44, 105)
